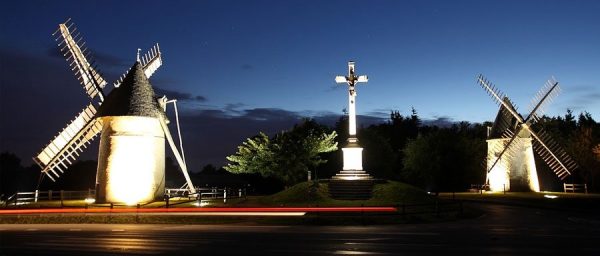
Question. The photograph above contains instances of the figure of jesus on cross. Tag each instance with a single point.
(353, 151)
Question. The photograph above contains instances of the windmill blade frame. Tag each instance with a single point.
(554, 156)
(75, 53)
(549, 91)
(498, 97)
(72, 140)
(150, 61)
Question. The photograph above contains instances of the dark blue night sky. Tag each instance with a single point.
(239, 67)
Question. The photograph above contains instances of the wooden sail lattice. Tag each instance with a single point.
(62, 151)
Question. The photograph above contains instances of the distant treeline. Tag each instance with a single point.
(434, 158)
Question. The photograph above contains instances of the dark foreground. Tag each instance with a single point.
(503, 230)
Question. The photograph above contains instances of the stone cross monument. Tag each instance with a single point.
(352, 152)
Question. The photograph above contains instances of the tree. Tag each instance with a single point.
(582, 148)
(210, 169)
(288, 156)
(255, 155)
(10, 167)
(445, 159)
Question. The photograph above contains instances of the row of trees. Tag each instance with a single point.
(435, 158)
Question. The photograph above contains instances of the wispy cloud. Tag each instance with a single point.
(583, 96)
(440, 121)
(181, 96)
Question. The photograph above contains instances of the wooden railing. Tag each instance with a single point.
(575, 188)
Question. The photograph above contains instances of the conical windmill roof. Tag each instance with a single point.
(504, 121)
(134, 97)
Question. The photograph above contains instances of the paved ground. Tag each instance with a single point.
(504, 230)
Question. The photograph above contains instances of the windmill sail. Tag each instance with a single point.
(76, 54)
(556, 158)
(72, 140)
(544, 97)
(150, 62)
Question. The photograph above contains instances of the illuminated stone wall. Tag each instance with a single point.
(131, 161)
(519, 170)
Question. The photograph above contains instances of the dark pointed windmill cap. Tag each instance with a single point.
(504, 121)
(134, 97)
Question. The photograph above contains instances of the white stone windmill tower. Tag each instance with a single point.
(132, 123)
(512, 140)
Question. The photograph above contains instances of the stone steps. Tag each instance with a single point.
(351, 189)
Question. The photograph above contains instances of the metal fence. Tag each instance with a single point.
(204, 194)
(212, 193)
(43, 195)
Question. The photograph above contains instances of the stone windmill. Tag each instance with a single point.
(512, 140)
(131, 120)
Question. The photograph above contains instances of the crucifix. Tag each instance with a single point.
(352, 152)
(351, 80)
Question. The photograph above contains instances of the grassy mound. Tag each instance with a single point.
(394, 192)
(305, 193)
(312, 194)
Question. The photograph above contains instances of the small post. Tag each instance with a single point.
(50, 195)
(16, 197)
(225, 195)
(240, 193)
(36, 195)
(504, 189)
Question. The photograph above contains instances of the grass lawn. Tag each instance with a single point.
(391, 193)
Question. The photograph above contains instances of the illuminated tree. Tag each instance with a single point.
(255, 155)
(288, 156)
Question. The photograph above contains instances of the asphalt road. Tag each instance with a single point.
(504, 230)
